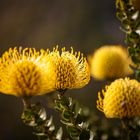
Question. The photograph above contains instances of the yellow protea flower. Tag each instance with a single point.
(121, 99)
(25, 72)
(110, 62)
(71, 69)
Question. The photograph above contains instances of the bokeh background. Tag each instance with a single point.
(83, 24)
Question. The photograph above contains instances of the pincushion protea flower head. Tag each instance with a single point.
(25, 72)
(71, 69)
(121, 99)
(109, 62)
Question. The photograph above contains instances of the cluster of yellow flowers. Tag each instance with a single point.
(27, 72)
(121, 99)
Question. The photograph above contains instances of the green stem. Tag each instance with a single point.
(130, 129)
(33, 117)
(130, 20)
(71, 117)
(26, 102)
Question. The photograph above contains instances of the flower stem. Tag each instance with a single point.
(130, 129)
(71, 117)
(130, 19)
(26, 102)
(34, 115)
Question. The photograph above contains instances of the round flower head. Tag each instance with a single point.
(25, 72)
(121, 99)
(109, 62)
(71, 69)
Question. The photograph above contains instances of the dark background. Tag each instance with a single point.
(83, 24)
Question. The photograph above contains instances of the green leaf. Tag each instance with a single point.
(134, 35)
(131, 51)
(121, 15)
(66, 122)
(135, 59)
(64, 100)
(74, 132)
(58, 105)
(137, 74)
(67, 115)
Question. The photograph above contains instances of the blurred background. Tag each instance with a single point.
(83, 24)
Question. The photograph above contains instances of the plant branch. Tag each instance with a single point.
(72, 118)
(130, 128)
(130, 20)
(34, 115)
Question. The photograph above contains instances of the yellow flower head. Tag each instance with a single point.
(121, 99)
(110, 62)
(25, 72)
(71, 69)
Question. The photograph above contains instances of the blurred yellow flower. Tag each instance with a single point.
(25, 72)
(71, 69)
(110, 62)
(121, 99)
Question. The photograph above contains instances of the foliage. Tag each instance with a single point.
(35, 116)
(130, 20)
(39, 72)
(72, 116)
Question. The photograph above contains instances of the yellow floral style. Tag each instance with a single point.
(71, 69)
(25, 72)
(121, 99)
(109, 62)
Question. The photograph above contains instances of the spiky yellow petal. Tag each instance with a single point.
(121, 99)
(25, 72)
(71, 68)
(110, 62)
